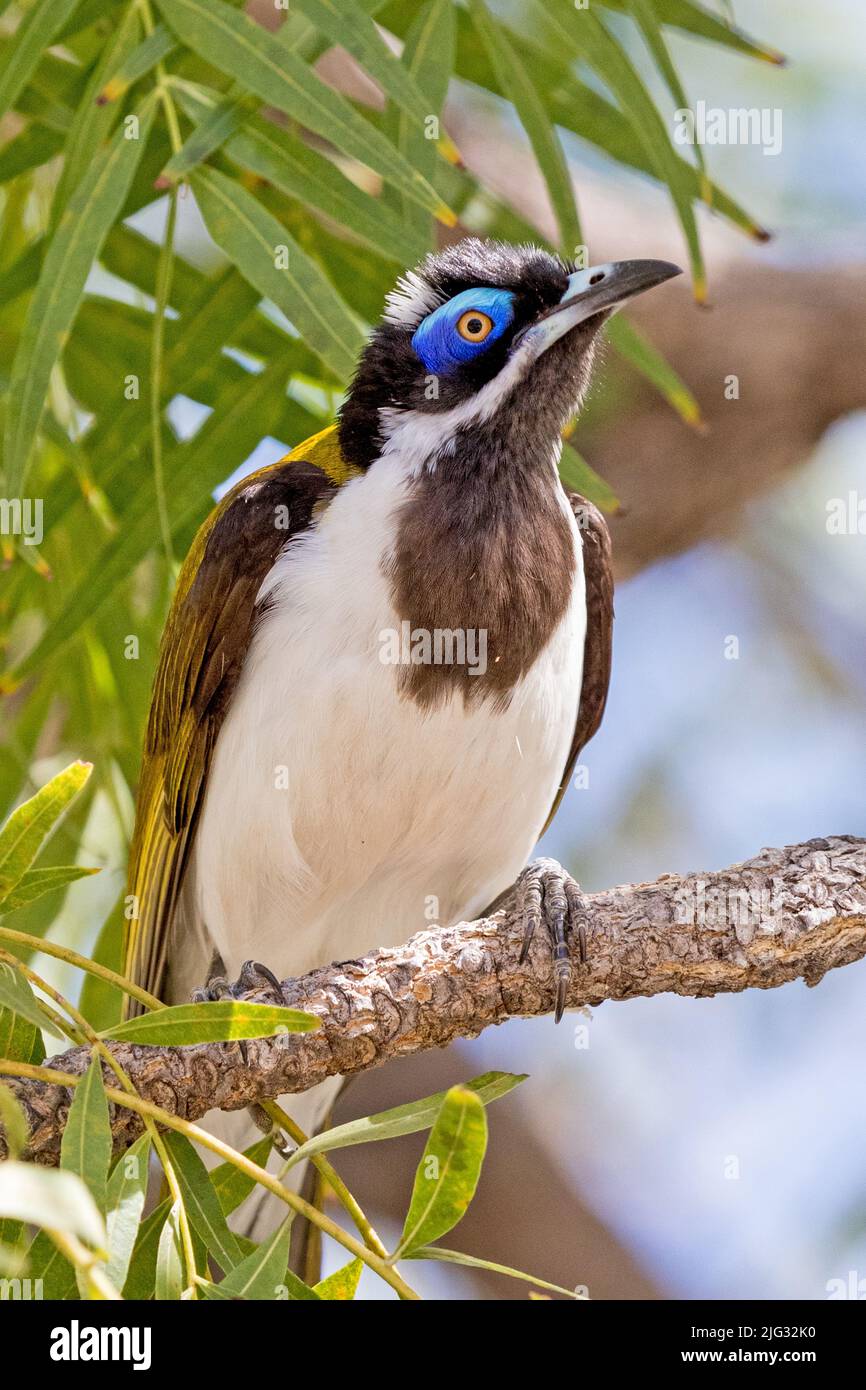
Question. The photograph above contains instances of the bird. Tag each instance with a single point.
(386, 650)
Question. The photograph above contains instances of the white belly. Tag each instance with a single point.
(338, 816)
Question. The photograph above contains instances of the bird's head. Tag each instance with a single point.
(484, 333)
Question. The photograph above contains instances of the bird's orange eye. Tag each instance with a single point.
(474, 326)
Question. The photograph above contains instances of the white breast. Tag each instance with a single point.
(338, 816)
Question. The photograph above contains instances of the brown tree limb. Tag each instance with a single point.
(788, 914)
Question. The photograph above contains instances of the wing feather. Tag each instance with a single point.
(210, 626)
(598, 645)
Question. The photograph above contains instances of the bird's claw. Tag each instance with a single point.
(546, 893)
(253, 976)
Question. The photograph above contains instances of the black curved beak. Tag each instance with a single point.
(598, 289)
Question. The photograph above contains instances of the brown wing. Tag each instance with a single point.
(598, 646)
(210, 626)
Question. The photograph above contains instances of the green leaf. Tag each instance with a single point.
(576, 474)
(85, 1148)
(54, 90)
(67, 263)
(13, 1246)
(141, 1280)
(101, 1002)
(344, 22)
(247, 52)
(247, 412)
(132, 256)
(138, 63)
(45, 1262)
(34, 34)
(22, 275)
(233, 1186)
(36, 882)
(582, 34)
(265, 1275)
(221, 121)
(697, 19)
(127, 1190)
(253, 239)
(405, 1119)
(577, 107)
(303, 173)
(169, 1260)
(639, 351)
(33, 147)
(20, 1035)
(229, 115)
(93, 120)
(514, 77)
(447, 1176)
(13, 1259)
(221, 309)
(224, 1020)
(87, 14)
(51, 1198)
(29, 826)
(645, 18)
(201, 1203)
(428, 54)
(13, 1122)
(213, 1292)
(456, 1257)
(342, 1285)
(17, 997)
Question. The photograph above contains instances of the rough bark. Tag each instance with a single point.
(787, 914)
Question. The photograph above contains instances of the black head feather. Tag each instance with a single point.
(391, 375)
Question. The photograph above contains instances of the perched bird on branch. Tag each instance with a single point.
(380, 641)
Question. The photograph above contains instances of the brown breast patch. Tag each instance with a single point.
(483, 549)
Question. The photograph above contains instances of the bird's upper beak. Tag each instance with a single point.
(596, 290)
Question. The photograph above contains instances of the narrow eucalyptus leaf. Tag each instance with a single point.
(455, 1257)
(577, 475)
(261, 64)
(13, 1122)
(37, 882)
(201, 1203)
(51, 1198)
(18, 999)
(85, 1148)
(405, 1119)
(342, 1285)
(127, 1189)
(90, 213)
(29, 826)
(224, 1020)
(168, 1284)
(20, 1032)
(34, 34)
(448, 1173)
(264, 1274)
(271, 259)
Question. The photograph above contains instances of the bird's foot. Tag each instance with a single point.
(546, 894)
(253, 976)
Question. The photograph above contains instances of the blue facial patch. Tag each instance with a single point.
(438, 340)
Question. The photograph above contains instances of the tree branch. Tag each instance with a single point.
(787, 914)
